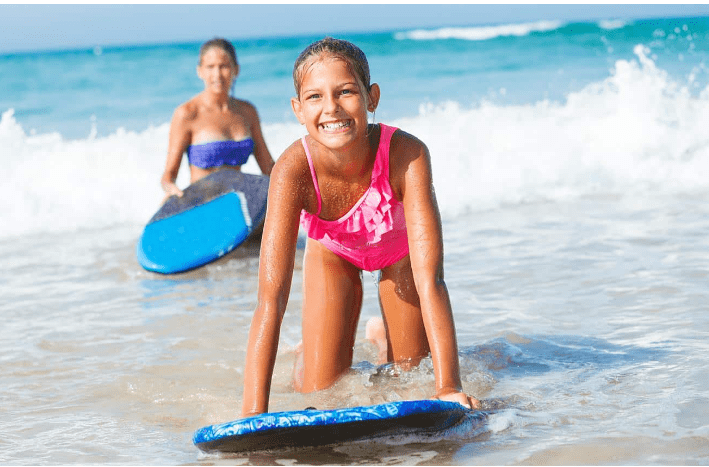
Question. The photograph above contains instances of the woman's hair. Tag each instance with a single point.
(223, 44)
(338, 48)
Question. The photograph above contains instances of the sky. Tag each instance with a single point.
(26, 27)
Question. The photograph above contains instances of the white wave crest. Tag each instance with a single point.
(53, 184)
(636, 132)
(480, 33)
(610, 24)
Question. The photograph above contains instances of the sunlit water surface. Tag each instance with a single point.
(582, 326)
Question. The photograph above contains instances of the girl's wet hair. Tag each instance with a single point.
(220, 43)
(338, 48)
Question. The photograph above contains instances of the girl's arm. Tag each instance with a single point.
(423, 224)
(180, 138)
(261, 153)
(275, 273)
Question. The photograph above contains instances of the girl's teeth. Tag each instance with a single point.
(336, 126)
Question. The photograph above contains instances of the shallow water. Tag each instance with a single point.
(570, 167)
(582, 326)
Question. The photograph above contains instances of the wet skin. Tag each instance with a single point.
(415, 303)
(212, 115)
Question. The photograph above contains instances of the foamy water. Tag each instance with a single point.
(581, 325)
(637, 130)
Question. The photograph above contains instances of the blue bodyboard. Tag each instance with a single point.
(215, 215)
(321, 427)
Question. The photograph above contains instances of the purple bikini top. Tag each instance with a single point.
(218, 153)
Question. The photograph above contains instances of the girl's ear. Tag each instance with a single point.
(236, 71)
(374, 94)
(297, 109)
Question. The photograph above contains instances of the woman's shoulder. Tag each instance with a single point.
(244, 107)
(187, 111)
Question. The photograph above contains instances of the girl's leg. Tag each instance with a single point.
(401, 310)
(332, 300)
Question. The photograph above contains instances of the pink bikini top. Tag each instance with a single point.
(372, 235)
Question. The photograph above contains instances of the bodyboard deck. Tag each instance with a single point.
(321, 427)
(215, 215)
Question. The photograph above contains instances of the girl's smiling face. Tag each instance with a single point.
(333, 104)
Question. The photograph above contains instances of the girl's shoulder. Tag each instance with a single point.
(408, 156)
(293, 163)
(405, 147)
(292, 174)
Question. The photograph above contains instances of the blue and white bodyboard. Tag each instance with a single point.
(215, 215)
(321, 427)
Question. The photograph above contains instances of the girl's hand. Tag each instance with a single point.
(461, 398)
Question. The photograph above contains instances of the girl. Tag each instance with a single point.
(364, 196)
(215, 129)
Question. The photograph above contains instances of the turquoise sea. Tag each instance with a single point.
(571, 163)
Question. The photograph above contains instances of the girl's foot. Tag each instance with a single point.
(298, 367)
(376, 334)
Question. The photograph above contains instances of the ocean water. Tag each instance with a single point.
(571, 164)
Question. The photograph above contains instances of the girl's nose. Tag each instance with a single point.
(330, 104)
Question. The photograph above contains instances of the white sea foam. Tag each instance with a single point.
(612, 24)
(637, 131)
(480, 33)
(502, 420)
(54, 184)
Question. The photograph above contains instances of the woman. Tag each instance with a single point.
(215, 129)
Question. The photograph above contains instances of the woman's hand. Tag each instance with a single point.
(171, 189)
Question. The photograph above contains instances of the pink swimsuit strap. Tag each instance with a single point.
(380, 168)
(372, 235)
(312, 173)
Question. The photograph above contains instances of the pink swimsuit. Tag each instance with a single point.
(372, 235)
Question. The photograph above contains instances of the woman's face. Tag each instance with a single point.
(217, 70)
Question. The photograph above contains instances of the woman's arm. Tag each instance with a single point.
(423, 224)
(275, 274)
(261, 152)
(179, 139)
